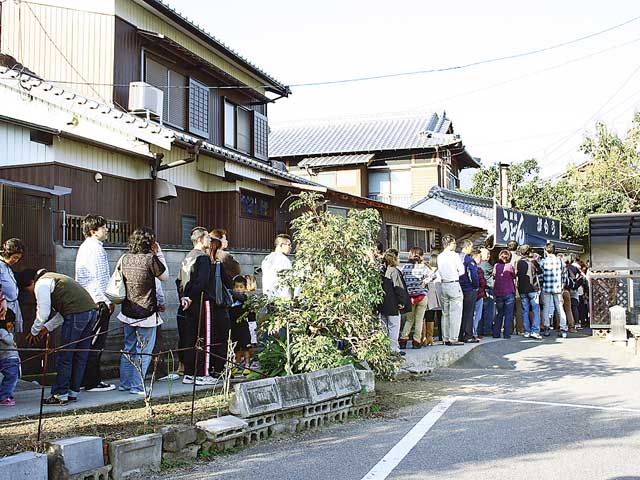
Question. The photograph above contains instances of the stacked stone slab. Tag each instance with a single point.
(77, 458)
(24, 466)
(134, 456)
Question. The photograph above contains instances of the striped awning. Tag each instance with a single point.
(336, 160)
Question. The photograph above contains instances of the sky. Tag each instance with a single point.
(537, 106)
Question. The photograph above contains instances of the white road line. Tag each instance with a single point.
(553, 404)
(391, 460)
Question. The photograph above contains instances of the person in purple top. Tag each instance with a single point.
(469, 283)
(505, 293)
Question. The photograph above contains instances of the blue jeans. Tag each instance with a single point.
(76, 334)
(477, 315)
(136, 340)
(505, 306)
(531, 300)
(488, 312)
(9, 368)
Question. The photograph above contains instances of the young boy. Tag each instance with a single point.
(9, 360)
(240, 332)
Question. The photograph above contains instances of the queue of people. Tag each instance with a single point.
(82, 307)
(521, 294)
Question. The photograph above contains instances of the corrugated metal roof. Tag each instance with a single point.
(364, 135)
(336, 160)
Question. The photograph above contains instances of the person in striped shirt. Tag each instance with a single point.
(92, 273)
(553, 272)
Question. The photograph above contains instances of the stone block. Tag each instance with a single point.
(189, 452)
(79, 454)
(222, 429)
(294, 391)
(24, 466)
(321, 385)
(367, 380)
(177, 437)
(132, 456)
(317, 409)
(345, 380)
(255, 398)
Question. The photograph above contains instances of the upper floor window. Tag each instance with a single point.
(237, 127)
(390, 186)
(185, 100)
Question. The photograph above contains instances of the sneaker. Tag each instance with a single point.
(526, 335)
(546, 333)
(170, 377)
(102, 387)
(537, 336)
(208, 380)
(563, 334)
(53, 400)
(8, 402)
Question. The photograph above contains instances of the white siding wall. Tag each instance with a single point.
(16, 148)
(83, 31)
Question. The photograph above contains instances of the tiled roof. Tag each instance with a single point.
(363, 135)
(336, 160)
(133, 125)
(464, 202)
(239, 158)
(166, 8)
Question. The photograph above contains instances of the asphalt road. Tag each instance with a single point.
(561, 409)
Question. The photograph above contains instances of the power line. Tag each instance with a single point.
(471, 64)
(44, 30)
(527, 75)
(618, 90)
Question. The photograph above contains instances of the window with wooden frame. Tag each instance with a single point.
(255, 205)
(404, 238)
(237, 127)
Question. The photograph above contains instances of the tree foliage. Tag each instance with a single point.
(608, 183)
(339, 287)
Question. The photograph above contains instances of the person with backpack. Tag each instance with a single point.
(529, 289)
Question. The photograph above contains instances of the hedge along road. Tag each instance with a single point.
(561, 408)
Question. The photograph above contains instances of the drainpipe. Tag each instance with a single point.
(64, 226)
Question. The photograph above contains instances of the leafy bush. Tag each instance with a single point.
(338, 284)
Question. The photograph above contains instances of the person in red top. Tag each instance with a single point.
(482, 294)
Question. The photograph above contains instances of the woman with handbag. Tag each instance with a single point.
(415, 275)
(139, 269)
(218, 296)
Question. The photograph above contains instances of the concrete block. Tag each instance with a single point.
(321, 385)
(345, 380)
(223, 429)
(341, 403)
(367, 380)
(294, 391)
(79, 454)
(262, 421)
(317, 409)
(132, 456)
(255, 398)
(177, 437)
(24, 466)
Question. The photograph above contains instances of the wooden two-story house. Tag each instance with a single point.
(395, 160)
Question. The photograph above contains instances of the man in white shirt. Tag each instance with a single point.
(450, 267)
(274, 263)
(92, 272)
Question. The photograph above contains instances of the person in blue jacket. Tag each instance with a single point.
(469, 283)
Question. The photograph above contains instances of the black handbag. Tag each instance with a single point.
(223, 295)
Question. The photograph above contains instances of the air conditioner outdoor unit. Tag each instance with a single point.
(145, 98)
